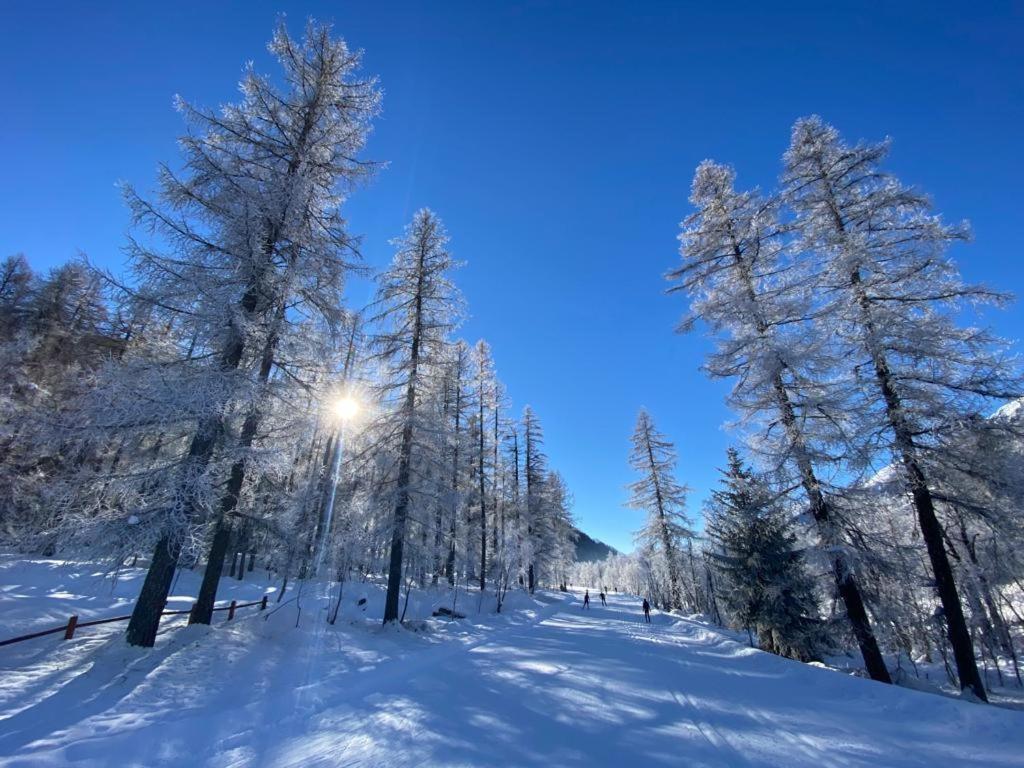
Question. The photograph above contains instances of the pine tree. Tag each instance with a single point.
(761, 577)
(894, 295)
(663, 499)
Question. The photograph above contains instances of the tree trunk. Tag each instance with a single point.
(931, 530)
(155, 589)
(483, 500)
(203, 610)
(666, 538)
(153, 597)
(846, 583)
(405, 463)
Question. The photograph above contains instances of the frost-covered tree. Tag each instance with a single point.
(418, 308)
(756, 301)
(762, 580)
(456, 382)
(892, 298)
(55, 330)
(242, 262)
(663, 499)
(534, 476)
(485, 386)
(557, 551)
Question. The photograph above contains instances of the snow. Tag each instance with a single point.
(1010, 411)
(543, 683)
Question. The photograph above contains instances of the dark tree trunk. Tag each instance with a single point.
(398, 530)
(956, 625)
(202, 612)
(482, 480)
(449, 566)
(152, 598)
(666, 539)
(846, 583)
(931, 530)
(155, 589)
(405, 462)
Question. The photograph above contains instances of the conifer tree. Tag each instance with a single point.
(663, 499)
(893, 295)
(534, 475)
(485, 386)
(757, 302)
(418, 308)
(257, 239)
(761, 577)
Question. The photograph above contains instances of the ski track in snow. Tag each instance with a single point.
(551, 686)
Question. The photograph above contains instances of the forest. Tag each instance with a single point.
(220, 414)
(217, 403)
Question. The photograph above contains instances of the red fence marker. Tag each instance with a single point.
(263, 603)
(70, 631)
(231, 610)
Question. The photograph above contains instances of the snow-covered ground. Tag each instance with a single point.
(544, 684)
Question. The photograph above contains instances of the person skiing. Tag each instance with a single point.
(604, 603)
(586, 599)
(647, 611)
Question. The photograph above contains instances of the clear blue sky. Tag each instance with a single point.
(557, 140)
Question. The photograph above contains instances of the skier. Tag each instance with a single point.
(604, 603)
(647, 611)
(586, 599)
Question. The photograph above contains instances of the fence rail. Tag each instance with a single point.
(74, 624)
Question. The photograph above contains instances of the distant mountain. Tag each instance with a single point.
(589, 550)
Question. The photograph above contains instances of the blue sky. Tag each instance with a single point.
(557, 140)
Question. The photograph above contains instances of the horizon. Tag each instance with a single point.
(566, 223)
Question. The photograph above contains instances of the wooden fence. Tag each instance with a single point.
(74, 624)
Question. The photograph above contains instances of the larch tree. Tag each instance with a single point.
(485, 392)
(258, 249)
(758, 302)
(534, 475)
(457, 375)
(892, 296)
(418, 308)
(662, 498)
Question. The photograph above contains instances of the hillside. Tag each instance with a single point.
(589, 549)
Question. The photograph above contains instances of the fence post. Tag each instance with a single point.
(70, 631)
(263, 603)
(231, 610)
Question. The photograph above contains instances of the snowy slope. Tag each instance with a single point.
(547, 684)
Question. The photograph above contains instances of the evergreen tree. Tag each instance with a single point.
(761, 577)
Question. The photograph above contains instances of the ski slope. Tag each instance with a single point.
(548, 684)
